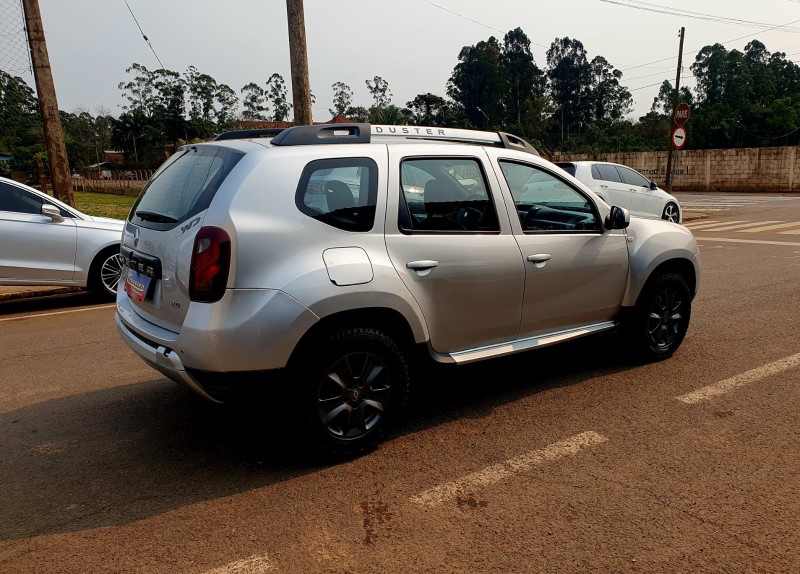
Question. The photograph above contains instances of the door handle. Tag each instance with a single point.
(539, 259)
(603, 186)
(422, 264)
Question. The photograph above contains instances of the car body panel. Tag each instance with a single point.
(38, 250)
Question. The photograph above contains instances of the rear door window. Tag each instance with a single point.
(183, 187)
(340, 192)
(568, 167)
(607, 172)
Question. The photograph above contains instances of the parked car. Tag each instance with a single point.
(46, 242)
(620, 185)
(245, 258)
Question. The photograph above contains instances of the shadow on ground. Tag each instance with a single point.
(119, 455)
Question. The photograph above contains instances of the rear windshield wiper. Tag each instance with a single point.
(155, 217)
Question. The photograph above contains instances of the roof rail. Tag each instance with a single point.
(363, 133)
(248, 134)
(324, 134)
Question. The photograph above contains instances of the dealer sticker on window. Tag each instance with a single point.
(137, 285)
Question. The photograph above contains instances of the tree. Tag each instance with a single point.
(430, 110)
(254, 102)
(570, 76)
(610, 100)
(523, 78)
(202, 90)
(20, 125)
(379, 90)
(139, 90)
(342, 98)
(477, 82)
(227, 106)
(278, 95)
(357, 114)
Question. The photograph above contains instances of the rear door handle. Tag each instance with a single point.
(603, 186)
(422, 264)
(539, 259)
(423, 267)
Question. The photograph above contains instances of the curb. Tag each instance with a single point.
(37, 293)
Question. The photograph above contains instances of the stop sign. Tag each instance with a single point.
(682, 113)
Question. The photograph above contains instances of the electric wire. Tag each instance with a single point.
(146, 39)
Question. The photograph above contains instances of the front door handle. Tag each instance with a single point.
(603, 186)
(539, 260)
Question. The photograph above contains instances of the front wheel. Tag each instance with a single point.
(671, 213)
(105, 273)
(351, 385)
(660, 319)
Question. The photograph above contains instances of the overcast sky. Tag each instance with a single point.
(413, 44)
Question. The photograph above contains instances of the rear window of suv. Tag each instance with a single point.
(183, 187)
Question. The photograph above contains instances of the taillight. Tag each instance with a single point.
(211, 262)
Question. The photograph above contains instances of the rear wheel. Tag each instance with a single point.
(351, 387)
(105, 273)
(671, 213)
(659, 322)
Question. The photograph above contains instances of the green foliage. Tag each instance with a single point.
(278, 95)
(254, 102)
(379, 90)
(342, 98)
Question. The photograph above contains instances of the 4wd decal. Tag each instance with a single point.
(187, 226)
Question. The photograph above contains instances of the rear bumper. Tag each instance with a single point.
(247, 330)
(164, 360)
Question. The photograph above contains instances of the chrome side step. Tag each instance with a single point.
(472, 355)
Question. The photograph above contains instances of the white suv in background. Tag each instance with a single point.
(625, 187)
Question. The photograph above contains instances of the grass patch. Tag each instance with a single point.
(103, 204)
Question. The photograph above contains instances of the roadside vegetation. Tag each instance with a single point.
(574, 101)
(103, 204)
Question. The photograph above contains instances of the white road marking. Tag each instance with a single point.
(500, 471)
(738, 226)
(21, 317)
(253, 565)
(749, 241)
(741, 379)
(771, 227)
(701, 224)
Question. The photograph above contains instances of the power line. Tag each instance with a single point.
(476, 21)
(143, 36)
(659, 9)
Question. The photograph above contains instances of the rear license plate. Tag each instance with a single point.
(137, 285)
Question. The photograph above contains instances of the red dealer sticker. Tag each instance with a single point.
(137, 285)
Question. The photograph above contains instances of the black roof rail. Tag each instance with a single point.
(248, 134)
(362, 133)
(324, 134)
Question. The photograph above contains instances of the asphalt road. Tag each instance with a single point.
(570, 459)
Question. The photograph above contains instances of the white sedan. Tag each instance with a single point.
(624, 187)
(45, 242)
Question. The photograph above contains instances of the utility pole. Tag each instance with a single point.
(301, 92)
(46, 90)
(674, 107)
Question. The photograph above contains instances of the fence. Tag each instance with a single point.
(122, 182)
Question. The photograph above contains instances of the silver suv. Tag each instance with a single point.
(328, 253)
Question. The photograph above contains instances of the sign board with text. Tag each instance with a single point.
(682, 113)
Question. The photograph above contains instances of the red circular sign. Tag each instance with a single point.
(682, 113)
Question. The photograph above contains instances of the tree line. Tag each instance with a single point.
(574, 102)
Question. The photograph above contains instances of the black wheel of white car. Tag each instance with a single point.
(105, 273)
(671, 213)
(354, 385)
(661, 317)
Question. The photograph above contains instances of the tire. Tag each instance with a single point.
(659, 321)
(351, 386)
(105, 272)
(671, 213)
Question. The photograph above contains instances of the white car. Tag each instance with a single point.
(622, 186)
(46, 242)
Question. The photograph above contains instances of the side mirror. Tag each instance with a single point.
(653, 186)
(619, 218)
(52, 212)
